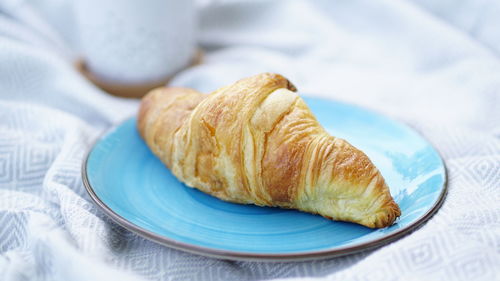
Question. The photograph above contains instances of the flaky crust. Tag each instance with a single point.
(257, 142)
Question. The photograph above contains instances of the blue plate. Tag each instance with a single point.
(136, 190)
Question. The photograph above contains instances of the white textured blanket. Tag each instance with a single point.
(432, 64)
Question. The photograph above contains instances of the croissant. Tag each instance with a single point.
(257, 142)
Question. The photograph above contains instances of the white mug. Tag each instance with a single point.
(133, 41)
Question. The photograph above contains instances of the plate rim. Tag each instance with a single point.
(268, 257)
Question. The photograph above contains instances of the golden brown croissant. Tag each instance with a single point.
(257, 142)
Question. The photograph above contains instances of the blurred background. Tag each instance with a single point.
(69, 69)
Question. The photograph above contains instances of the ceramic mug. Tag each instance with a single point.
(135, 42)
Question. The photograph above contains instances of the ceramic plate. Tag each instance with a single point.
(136, 190)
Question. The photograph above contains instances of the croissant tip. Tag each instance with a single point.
(155, 98)
(387, 216)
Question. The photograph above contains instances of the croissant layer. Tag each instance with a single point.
(257, 142)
